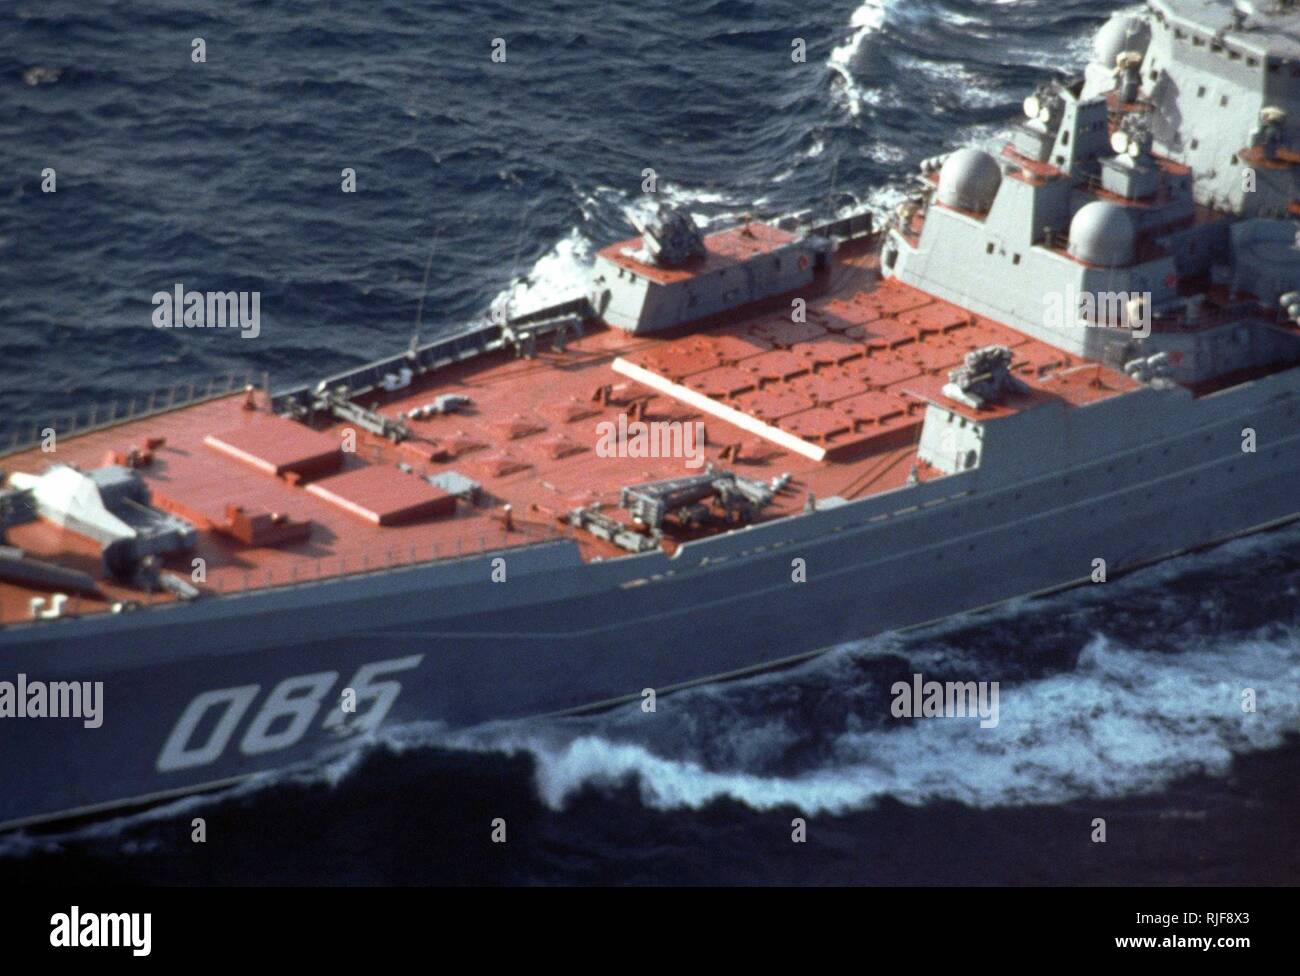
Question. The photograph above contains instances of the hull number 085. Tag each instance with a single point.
(285, 715)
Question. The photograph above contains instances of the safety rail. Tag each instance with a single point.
(26, 434)
(231, 581)
(226, 581)
(222, 582)
(476, 339)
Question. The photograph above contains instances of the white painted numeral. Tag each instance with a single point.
(177, 753)
(297, 698)
(294, 702)
(382, 693)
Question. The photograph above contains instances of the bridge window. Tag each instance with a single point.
(1200, 92)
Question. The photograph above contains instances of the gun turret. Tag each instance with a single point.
(670, 237)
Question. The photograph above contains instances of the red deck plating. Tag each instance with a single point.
(856, 388)
(384, 495)
(279, 446)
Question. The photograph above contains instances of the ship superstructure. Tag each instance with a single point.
(1095, 194)
(734, 450)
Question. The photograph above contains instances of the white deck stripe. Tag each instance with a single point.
(213, 441)
(720, 410)
(336, 499)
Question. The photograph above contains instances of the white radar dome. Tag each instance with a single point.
(969, 180)
(1123, 32)
(1102, 233)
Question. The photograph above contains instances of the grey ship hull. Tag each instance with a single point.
(222, 688)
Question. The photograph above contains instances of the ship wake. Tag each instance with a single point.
(1125, 721)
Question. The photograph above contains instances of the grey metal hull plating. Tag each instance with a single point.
(261, 675)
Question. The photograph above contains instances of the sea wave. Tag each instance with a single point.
(1124, 721)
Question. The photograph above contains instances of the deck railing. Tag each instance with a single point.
(472, 340)
(227, 581)
(21, 435)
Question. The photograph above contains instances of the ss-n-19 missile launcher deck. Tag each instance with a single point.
(1076, 344)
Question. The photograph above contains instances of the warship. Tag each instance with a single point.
(1068, 354)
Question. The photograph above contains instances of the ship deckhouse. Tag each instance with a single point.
(672, 276)
(1222, 81)
(1127, 219)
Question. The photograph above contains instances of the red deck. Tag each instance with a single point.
(851, 379)
(384, 495)
(277, 446)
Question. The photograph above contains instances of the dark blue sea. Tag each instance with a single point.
(482, 182)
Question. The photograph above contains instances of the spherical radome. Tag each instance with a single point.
(969, 180)
(1123, 32)
(1102, 233)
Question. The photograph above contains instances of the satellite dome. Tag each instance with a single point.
(1101, 233)
(969, 180)
(1123, 32)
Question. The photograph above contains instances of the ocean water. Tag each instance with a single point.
(495, 182)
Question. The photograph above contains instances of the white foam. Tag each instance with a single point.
(847, 60)
(557, 276)
(1125, 721)
(706, 207)
(867, 20)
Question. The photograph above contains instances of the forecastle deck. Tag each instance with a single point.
(835, 401)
